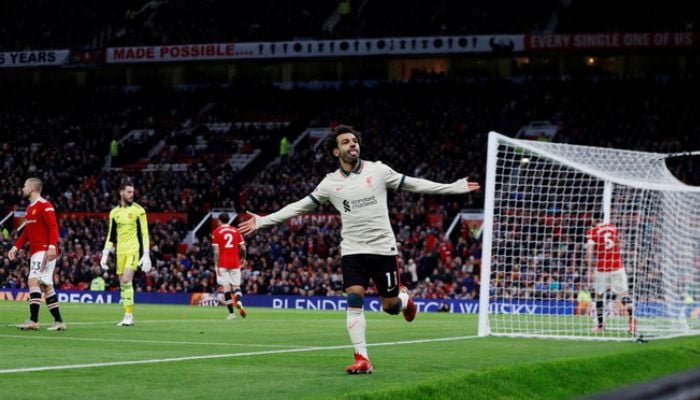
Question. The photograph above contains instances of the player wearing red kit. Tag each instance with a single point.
(603, 252)
(229, 255)
(41, 231)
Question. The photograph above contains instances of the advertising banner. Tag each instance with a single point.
(338, 303)
(33, 58)
(609, 40)
(501, 44)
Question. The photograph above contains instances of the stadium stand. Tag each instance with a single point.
(199, 134)
(621, 16)
(304, 259)
(72, 23)
(194, 147)
(158, 22)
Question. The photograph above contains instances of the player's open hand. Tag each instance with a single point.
(249, 225)
(145, 262)
(12, 253)
(51, 253)
(472, 186)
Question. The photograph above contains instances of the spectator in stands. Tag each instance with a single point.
(583, 301)
(285, 147)
(413, 271)
(114, 152)
(98, 282)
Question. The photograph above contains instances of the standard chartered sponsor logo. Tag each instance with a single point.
(363, 202)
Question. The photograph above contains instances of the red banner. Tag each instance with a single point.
(183, 52)
(610, 40)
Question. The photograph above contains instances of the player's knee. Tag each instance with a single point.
(51, 299)
(393, 309)
(355, 301)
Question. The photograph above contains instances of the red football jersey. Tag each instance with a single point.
(228, 239)
(606, 244)
(41, 229)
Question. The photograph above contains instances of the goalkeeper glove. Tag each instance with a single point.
(145, 262)
(103, 261)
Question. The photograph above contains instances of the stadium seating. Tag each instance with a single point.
(79, 24)
(442, 123)
(621, 16)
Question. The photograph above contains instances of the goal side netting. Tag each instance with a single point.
(540, 200)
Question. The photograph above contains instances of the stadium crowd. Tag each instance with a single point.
(436, 130)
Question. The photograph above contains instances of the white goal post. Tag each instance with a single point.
(539, 201)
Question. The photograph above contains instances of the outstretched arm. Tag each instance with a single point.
(396, 180)
(420, 185)
(291, 210)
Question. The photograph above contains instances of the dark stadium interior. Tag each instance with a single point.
(214, 107)
(429, 121)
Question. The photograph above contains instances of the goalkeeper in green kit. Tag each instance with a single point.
(128, 229)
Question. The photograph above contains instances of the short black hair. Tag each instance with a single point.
(224, 218)
(124, 183)
(331, 141)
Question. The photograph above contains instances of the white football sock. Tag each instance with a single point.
(357, 325)
(403, 296)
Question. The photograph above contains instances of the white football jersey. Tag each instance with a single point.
(360, 197)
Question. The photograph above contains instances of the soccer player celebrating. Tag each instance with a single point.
(128, 228)
(358, 190)
(229, 255)
(603, 252)
(41, 231)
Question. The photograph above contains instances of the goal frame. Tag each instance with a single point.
(494, 141)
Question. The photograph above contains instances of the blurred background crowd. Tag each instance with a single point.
(178, 143)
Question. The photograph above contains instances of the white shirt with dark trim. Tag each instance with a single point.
(361, 198)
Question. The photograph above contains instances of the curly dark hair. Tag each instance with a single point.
(331, 141)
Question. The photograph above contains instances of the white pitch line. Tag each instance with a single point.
(142, 341)
(150, 321)
(229, 355)
(156, 321)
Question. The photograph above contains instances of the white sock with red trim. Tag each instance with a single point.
(357, 325)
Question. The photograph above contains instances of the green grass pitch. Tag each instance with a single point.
(185, 352)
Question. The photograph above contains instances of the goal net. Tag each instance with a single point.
(540, 201)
